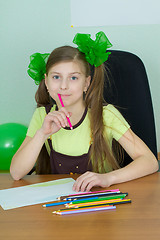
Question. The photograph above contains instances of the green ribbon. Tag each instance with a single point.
(94, 50)
(37, 66)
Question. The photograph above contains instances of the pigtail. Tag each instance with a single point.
(42, 96)
(100, 150)
(43, 99)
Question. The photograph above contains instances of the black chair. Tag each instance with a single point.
(129, 91)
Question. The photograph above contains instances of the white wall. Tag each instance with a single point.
(40, 26)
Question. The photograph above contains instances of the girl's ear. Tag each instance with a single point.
(45, 80)
(87, 83)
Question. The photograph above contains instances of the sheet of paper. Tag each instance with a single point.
(35, 193)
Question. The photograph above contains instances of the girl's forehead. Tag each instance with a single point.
(69, 66)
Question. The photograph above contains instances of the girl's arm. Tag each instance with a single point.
(26, 156)
(144, 160)
(144, 163)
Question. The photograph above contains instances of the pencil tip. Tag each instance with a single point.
(58, 213)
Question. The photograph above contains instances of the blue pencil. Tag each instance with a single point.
(55, 204)
(64, 202)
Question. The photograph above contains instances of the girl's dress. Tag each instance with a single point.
(63, 164)
(69, 149)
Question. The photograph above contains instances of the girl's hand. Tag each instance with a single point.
(54, 121)
(90, 179)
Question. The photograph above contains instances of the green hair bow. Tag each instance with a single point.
(95, 51)
(37, 66)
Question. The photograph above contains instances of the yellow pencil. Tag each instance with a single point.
(118, 201)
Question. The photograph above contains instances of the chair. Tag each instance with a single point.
(129, 91)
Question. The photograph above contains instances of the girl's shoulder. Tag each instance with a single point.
(110, 110)
(108, 106)
(111, 113)
(114, 121)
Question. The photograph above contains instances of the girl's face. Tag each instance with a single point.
(69, 80)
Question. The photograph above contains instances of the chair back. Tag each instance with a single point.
(129, 91)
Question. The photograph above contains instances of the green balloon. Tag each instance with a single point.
(11, 137)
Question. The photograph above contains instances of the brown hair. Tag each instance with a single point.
(100, 149)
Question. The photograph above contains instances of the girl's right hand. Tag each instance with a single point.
(54, 121)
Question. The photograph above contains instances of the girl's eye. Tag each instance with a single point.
(56, 77)
(73, 78)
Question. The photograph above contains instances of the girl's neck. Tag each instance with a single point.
(77, 113)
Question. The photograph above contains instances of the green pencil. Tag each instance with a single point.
(99, 199)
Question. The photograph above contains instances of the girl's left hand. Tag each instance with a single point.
(90, 179)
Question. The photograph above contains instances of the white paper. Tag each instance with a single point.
(35, 193)
(85, 13)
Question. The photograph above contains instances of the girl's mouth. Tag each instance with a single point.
(65, 95)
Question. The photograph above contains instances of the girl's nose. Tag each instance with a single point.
(64, 84)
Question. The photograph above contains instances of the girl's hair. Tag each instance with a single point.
(100, 149)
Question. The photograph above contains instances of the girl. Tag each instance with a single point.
(76, 76)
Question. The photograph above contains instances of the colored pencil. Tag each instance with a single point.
(69, 201)
(84, 200)
(65, 202)
(96, 195)
(55, 204)
(84, 193)
(73, 209)
(84, 210)
(69, 122)
(88, 199)
(112, 190)
(98, 203)
(108, 202)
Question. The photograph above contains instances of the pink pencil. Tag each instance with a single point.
(84, 193)
(69, 122)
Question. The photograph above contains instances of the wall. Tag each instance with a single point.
(31, 26)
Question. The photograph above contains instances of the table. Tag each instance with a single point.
(137, 220)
